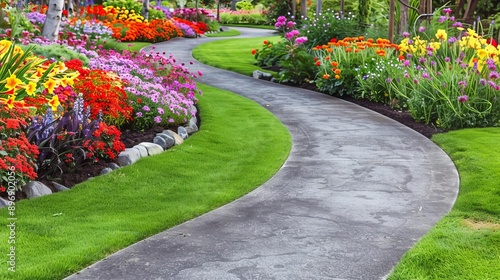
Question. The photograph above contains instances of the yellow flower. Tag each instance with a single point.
(12, 82)
(30, 88)
(435, 45)
(482, 53)
(441, 34)
(54, 102)
(4, 46)
(18, 50)
(62, 67)
(50, 84)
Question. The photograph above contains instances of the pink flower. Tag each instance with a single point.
(301, 40)
(463, 98)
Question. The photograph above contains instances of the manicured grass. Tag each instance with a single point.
(466, 243)
(120, 46)
(232, 54)
(228, 33)
(270, 27)
(239, 147)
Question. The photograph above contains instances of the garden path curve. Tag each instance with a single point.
(357, 191)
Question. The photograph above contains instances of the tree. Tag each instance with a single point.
(145, 9)
(53, 20)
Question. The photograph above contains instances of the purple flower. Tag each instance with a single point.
(290, 24)
(447, 59)
(457, 24)
(433, 63)
(493, 75)
(492, 84)
(463, 98)
(160, 111)
(452, 18)
(406, 63)
(421, 29)
(422, 60)
(389, 80)
(406, 34)
(146, 109)
(447, 11)
(406, 75)
(415, 81)
(462, 84)
(452, 40)
(138, 114)
(425, 75)
(442, 19)
(170, 120)
(157, 119)
(482, 81)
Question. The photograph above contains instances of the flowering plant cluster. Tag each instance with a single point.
(17, 155)
(340, 62)
(22, 74)
(104, 93)
(198, 27)
(289, 54)
(153, 31)
(160, 91)
(105, 143)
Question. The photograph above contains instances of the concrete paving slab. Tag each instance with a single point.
(357, 191)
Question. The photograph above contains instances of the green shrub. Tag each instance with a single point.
(59, 53)
(322, 28)
(256, 18)
(213, 25)
(156, 14)
(270, 54)
(244, 5)
(128, 4)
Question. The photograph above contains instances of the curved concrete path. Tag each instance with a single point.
(357, 191)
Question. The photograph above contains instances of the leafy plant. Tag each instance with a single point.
(60, 141)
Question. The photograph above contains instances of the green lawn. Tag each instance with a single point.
(239, 147)
(270, 27)
(232, 54)
(130, 46)
(228, 33)
(466, 243)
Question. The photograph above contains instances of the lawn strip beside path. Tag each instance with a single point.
(239, 147)
(465, 244)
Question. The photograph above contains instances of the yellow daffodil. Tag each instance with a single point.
(50, 84)
(54, 103)
(12, 82)
(483, 54)
(30, 88)
(441, 34)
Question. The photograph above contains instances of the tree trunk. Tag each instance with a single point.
(342, 7)
(53, 20)
(404, 17)
(294, 8)
(319, 6)
(145, 9)
(303, 8)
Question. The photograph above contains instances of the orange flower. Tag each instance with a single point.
(348, 49)
(326, 76)
(337, 71)
(335, 63)
(327, 58)
(254, 51)
(266, 42)
(337, 77)
(12, 81)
